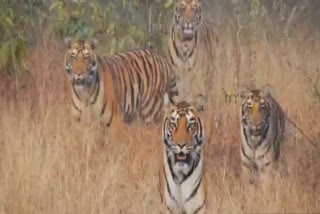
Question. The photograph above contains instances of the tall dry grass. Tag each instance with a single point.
(49, 164)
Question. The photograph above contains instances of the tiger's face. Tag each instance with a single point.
(81, 63)
(183, 135)
(256, 113)
(187, 18)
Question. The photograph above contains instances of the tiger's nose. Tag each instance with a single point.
(181, 145)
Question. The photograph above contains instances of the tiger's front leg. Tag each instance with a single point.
(76, 114)
(248, 175)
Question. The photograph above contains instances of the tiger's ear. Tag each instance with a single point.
(167, 104)
(93, 43)
(199, 103)
(68, 42)
(266, 91)
(244, 91)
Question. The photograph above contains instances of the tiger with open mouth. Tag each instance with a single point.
(182, 183)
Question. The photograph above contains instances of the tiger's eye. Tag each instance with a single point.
(173, 122)
(191, 125)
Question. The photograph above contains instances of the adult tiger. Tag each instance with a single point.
(129, 84)
(262, 126)
(192, 43)
(181, 181)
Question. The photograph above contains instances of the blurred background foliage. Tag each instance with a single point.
(117, 24)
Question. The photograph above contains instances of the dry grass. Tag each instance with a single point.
(48, 164)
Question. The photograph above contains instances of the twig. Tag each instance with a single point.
(211, 132)
(303, 134)
(293, 16)
(159, 188)
(289, 21)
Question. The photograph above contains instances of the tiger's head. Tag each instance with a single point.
(255, 112)
(187, 17)
(183, 134)
(81, 62)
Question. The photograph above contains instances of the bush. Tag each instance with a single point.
(118, 25)
(13, 48)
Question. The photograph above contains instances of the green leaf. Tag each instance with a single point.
(169, 4)
(4, 54)
(55, 5)
(9, 21)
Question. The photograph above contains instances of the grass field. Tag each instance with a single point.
(49, 164)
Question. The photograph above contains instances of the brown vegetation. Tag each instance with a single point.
(49, 164)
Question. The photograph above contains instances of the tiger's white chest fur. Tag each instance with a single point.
(186, 196)
(187, 55)
(87, 107)
(258, 150)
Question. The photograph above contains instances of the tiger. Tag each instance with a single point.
(181, 183)
(262, 125)
(191, 48)
(128, 85)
